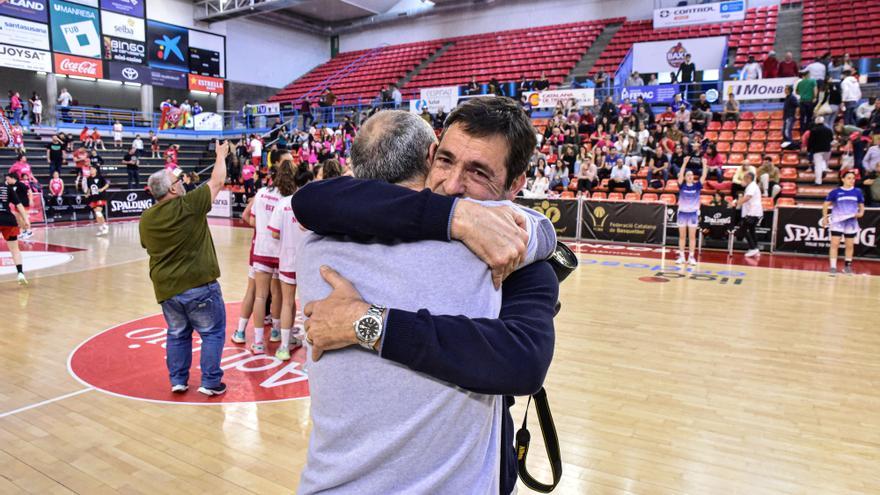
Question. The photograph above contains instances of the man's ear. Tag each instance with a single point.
(516, 187)
(432, 150)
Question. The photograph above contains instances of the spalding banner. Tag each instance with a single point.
(128, 203)
(798, 230)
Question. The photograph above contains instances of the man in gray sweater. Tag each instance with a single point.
(379, 427)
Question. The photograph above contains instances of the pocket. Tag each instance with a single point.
(202, 313)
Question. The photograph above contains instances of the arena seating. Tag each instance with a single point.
(840, 26)
(753, 36)
(359, 75)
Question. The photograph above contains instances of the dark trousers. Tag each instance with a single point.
(612, 185)
(134, 178)
(54, 167)
(249, 188)
(806, 115)
(586, 185)
(787, 127)
(748, 229)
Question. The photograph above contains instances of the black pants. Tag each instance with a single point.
(134, 178)
(612, 185)
(249, 188)
(806, 115)
(54, 167)
(748, 226)
(586, 185)
(735, 189)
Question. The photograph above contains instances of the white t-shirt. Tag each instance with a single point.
(64, 99)
(752, 207)
(138, 144)
(284, 222)
(256, 147)
(38, 107)
(117, 129)
(266, 248)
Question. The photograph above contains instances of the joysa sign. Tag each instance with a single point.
(71, 65)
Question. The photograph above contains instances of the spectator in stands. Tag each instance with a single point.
(196, 108)
(55, 154)
(185, 110)
(752, 211)
(56, 185)
(117, 135)
(625, 109)
(751, 71)
(85, 139)
(36, 109)
(305, 110)
(542, 84)
(678, 102)
(874, 119)
(739, 183)
(608, 110)
(768, 177)
(16, 107)
(64, 100)
(817, 69)
(540, 186)
(620, 177)
(789, 112)
(634, 79)
(588, 175)
(788, 67)
(770, 67)
(328, 99)
(685, 74)
(701, 115)
(130, 160)
(473, 87)
(851, 93)
(96, 160)
(96, 139)
(170, 163)
(396, 96)
(828, 100)
(807, 92)
(819, 146)
(863, 111)
(682, 117)
(835, 69)
(714, 162)
(426, 115)
(658, 167)
(495, 87)
(523, 86)
(667, 117)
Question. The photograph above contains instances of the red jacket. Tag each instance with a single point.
(770, 68)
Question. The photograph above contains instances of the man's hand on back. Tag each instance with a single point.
(330, 323)
(496, 234)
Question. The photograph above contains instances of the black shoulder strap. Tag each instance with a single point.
(551, 444)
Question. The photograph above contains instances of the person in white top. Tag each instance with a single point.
(286, 229)
(864, 110)
(816, 70)
(64, 100)
(539, 186)
(138, 144)
(117, 135)
(850, 94)
(752, 211)
(256, 147)
(751, 71)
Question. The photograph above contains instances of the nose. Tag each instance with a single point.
(454, 185)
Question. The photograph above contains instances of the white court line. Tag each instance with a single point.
(43, 403)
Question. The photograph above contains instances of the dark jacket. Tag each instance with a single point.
(820, 139)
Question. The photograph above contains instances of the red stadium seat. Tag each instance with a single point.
(615, 196)
(790, 159)
(729, 125)
(744, 125)
(785, 202)
(723, 147)
(725, 136)
(631, 196)
(705, 199)
(598, 195)
(767, 203)
(741, 136)
(649, 197)
(671, 186)
(759, 136)
(714, 126)
(567, 195)
(669, 199)
(739, 148)
(756, 147)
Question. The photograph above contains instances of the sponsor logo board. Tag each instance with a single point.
(549, 99)
(75, 29)
(24, 33)
(167, 46)
(758, 89)
(222, 205)
(666, 56)
(128, 203)
(700, 14)
(128, 73)
(120, 50)
(168, 78)
(34, 10)
(127, 7)
(663, 93)
(208, 121)
(71, 65)
(122, 26)
(203, 83)
(25, 58)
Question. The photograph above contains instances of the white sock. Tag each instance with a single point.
(276, 324)
(258, 334)
(692, 255)
(834, 263)
(242, 324)
(285, 338)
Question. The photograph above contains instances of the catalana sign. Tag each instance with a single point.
(700, 14)
(549, 99)
(758, 89)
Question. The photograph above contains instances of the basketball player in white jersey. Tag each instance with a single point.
(284, 227)
(247, 302)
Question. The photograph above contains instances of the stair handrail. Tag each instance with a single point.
(354, 64)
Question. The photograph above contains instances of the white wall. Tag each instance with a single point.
(255, 53)
(501, 16)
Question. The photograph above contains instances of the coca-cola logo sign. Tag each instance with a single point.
(78, 66)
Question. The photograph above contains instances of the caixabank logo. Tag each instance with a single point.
(128, 360)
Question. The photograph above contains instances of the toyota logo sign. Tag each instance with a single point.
(130, 73)
(131, 197)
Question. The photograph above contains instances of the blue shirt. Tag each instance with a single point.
(844, 203)
(689, 197)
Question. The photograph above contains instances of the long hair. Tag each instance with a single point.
(332, 168)
(303, 175)
(284, 179)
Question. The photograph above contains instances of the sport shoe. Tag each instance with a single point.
(25, 235)
(752, 252)
(282, 354)
(847, 270)
(295, 342)
(180, 388)
(692, 261)
(218, 390)
(238, 337)
(22, 280)
(258, 349)
(680, 260)
(832, 272)
(275, 335)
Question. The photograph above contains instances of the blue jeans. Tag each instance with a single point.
(16, 116)
(849, 115)
(200, 309)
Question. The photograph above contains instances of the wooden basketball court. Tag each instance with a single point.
(748, 379)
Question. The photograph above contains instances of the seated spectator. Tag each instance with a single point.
(652, 81)
(560, 176)
(701, 115)
(170, 163)
(751, 71)
(863, 111)
(473, 88)
(715, 162)
(603, 165)
(85, 138)
(539, 188)
(718, 200)
(667, 117)
(731, 108)
(56, 185)
(678, 102)
(608, 110)
(788, 67)
(620, 177)
(770, 67)
(659, 166)
(588, 175)
(96, 139)
(523, 86)
(768, 178)
(494, 88)
(96, 160)
(625, 109)
(542, 84)
(599, 138)
(739, 179)
(677, 161)
(682, 117)
(634, 79)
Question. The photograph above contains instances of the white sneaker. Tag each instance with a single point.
(692, 261)
(680, 260)
(22, 280)
(26, 234)
(752, 253)
(180, 388)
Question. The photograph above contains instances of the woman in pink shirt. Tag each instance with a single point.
(56, 185)
(247, 177)
(170, 164)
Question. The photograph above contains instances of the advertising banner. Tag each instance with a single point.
(798, 230)
(87, 3)
(563, 213)
(24, 33)
(623, 221)
(268, 108)
(666, 56)
(700, 14)
(127, 7)
(75, 29)
(70, 65)
(209, 84)
(758, 89)
(222, 206)
(128, 73)
(167, 46)
(663, 93)
(128, 51)
(209, 43)
(715, 222)
(25, 58)
(128, 203)
(435, 99)
(204, 62)
(122, 26)
(67, 208)
(549, 99)
(37, 213)
(168, 78)
(208, 121)
(34, 10)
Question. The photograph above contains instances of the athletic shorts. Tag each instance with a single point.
(256, 160)
(259, 267)
(287, 277)
(688, 219)
(95, 204)
(10, 233)
(847, 228)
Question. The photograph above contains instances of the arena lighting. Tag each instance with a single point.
(132, 84)
(200, 92)
(83, 78)
(109, 81)
(41, 73)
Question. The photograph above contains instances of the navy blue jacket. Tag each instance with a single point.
(506, 356)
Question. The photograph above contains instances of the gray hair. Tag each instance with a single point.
(392, 146)
(159, 184)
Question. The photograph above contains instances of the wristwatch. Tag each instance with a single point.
(368, 328)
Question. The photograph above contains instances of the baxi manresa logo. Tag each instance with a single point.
(675, 55)
(128, 360)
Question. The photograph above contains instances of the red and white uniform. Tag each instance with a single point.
(266, 248)
(284, 223)
(23, 169)
(56, 187)
(17, 137)
(81, 158)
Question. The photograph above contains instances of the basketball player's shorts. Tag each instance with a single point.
(10, 233)
(847, 228)
(260, 267)
(688, 219)
(255, 160)
(95, 204)
(287, 277)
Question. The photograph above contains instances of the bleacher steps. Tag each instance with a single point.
(789, 32)
(411, 74)
(592, 55)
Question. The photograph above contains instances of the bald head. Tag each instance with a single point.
(393, 146)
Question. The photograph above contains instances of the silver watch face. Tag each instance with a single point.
(368, 328)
